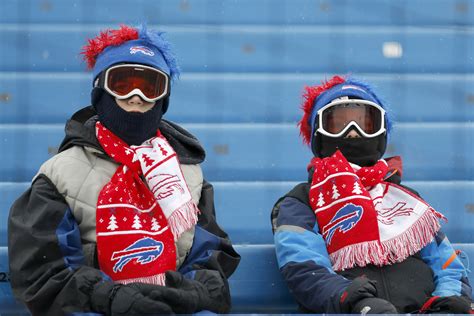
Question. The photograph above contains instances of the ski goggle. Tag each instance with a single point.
(336, 118)
(126, 80)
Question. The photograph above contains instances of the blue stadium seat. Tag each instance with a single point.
(256, 286)
(243, 49)
(243, 208)
(245, 64)
(270, 152)
(265, 12)
(237, 98)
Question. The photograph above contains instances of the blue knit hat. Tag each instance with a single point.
(130, 45)
(318, 96)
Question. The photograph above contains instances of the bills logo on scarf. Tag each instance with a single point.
(137, 223)
(344, 220)
(364, 220)
(144, 251)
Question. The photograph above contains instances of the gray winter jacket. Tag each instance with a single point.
(51, 240)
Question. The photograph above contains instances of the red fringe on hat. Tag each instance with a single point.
(309, 96)
(105, 39)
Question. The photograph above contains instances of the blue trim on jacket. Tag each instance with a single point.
(202, 249)
(303, 259)
(291, 246)
(449, 280)
(294, 212)
(69, 240)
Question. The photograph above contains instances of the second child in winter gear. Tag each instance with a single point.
(353, 239)
(121, 220)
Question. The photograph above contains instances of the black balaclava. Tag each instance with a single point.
(133, 128)
(361, 151)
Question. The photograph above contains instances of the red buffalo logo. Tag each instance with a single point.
(386, 215)
(166, 184)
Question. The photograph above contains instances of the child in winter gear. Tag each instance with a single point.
(121, 221)
(353, 239)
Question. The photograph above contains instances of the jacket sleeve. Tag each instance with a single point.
(303, 259)
(211, 259)
(47, 264)
(450, 275)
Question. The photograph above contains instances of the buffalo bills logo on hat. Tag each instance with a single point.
(145, 250)
(141, 49)
(344, 220)
(350, 86)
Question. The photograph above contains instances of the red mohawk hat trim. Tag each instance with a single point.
(309, 97)
(105, 39)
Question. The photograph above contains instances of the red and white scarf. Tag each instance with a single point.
(137, 223)
(365, 220)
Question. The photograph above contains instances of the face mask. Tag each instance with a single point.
(133, 128)
(361, 151)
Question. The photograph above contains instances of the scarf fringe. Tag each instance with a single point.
(159, 279)
(183, 218)
(390, 251)
(414, 239)
(360, 254)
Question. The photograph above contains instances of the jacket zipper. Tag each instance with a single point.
(384, 283)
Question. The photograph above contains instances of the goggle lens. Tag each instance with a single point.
(336, 118)
(122, 80)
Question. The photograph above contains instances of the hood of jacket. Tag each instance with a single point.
(80, 131)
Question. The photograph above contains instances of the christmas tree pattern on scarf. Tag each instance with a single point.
(365, 220)
(136, 228)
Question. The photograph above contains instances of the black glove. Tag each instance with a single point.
(361, 297)
(131, 299)
(373, 305)
(446, 305)
(189, 296)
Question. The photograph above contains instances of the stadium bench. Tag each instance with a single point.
(237, 98)
(244, 67)
(260, 49)
(267, 12)
(270, 152)
(256, 286)
(243, 208)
